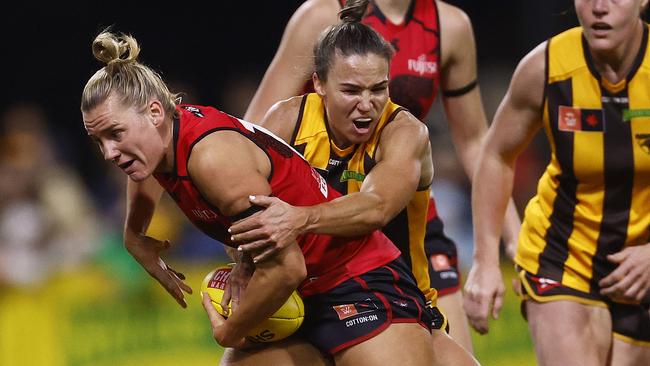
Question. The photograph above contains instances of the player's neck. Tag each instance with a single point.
(394, 10)
(616, 65)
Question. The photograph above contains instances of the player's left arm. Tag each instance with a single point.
(461, 98)
(226, 168)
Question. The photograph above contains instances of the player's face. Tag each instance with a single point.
(609, 24)
(355, 95)
(126, 137)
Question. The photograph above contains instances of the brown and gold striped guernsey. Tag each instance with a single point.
(594, 197)
(345, 170)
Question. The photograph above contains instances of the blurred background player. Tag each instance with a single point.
(426, 35)
(583, 255)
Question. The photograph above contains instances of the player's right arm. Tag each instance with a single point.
(292, 64)
(142, 198)
(515, 123)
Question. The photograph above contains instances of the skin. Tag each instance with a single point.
(614, 41)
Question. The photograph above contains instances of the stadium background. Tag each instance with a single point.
(69, 294)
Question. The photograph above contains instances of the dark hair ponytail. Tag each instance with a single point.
(353, 11)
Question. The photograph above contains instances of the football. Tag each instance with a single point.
(283, 323)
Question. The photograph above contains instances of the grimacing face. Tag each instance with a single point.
(609, 24)
(127, 137)
(355, 95)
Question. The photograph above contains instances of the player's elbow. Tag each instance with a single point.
(295, 274)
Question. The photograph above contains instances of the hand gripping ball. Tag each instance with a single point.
(283, 323)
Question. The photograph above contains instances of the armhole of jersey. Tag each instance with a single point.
(296, 128)
(341, 3)
(388, 120)
(208, 132)
(546, 73)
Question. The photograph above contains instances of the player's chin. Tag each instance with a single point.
(138, 176)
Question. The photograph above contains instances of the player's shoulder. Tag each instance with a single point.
(453, 19)
(405, 122)
(317, 12)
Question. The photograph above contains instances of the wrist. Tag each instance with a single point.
(131, 238)
(312, 218)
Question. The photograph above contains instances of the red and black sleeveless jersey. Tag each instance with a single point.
(330, 260)
(415, 68)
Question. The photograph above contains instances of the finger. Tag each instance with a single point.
(254, 246)
(613, 278)
(225, 299)
(618, 257)
(178, 279)
(249, 235)
(214, 316)
(634, 291)
(235, 290)
(498, 303)
(266, 254)
(178, 274)
(168, 282)
(244, 225)
(261, 200)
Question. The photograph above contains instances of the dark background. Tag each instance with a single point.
(47, 56)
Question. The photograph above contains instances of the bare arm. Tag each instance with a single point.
(142, 199)
(227, 168)
(292, 64)
(404, 152)
(465, 113)
(515, 123)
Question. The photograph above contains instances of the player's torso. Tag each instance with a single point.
(593, 198)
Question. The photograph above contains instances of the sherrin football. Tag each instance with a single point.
(283, 323)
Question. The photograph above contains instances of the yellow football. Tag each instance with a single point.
(283, 323)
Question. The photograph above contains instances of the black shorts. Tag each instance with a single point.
(443, 258)
(630, 322)
(362, 307)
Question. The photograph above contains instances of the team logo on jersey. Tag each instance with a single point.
(352, 175)
(543, 284)
(643, 139)
(195, 111)
(572, 119)
(628, 114)
(422, 66)
(349, 310)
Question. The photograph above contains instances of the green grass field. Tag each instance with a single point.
(508, 343)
